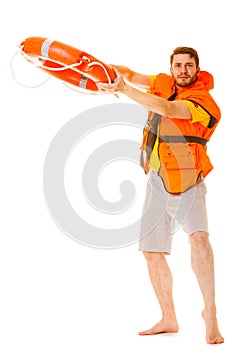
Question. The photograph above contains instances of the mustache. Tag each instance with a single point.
(183, 76)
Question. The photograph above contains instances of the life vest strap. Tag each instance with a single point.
(183, 139)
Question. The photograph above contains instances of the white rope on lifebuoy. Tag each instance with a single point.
(17, 81)
(75, 67)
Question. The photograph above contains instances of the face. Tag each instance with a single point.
(184, 70)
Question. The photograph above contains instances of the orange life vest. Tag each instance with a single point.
(182, 144)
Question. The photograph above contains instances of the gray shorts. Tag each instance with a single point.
(164, 213)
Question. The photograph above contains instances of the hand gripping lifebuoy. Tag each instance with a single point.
(67, 63)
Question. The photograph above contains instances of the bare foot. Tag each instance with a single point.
(161, 327)
(213, 335)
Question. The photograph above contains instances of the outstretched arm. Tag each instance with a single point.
(140, 80)
(170, 109)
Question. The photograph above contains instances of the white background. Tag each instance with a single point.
(56, 293)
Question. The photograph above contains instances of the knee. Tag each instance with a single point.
(199, 239)
(153, 257)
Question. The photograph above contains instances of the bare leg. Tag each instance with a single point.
(203, 266)
(161, 278)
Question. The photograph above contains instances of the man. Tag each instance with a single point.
(187, 116)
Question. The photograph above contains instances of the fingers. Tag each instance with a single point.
(112, 88)
(147, 166)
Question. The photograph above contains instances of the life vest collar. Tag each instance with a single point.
(204, 81)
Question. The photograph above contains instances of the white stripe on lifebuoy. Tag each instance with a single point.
(83, 82)
(45, 47)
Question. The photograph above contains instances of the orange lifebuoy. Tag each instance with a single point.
(67, 63)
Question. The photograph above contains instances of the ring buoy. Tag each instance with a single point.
(67, 63)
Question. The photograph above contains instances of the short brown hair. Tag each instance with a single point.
(185, 50)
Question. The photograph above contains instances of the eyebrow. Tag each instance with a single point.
(184, 63)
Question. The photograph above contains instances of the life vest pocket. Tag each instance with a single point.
(179, 156)
(179, 168)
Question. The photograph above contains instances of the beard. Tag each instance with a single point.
(187, 82)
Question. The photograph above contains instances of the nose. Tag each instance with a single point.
(183, 68)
